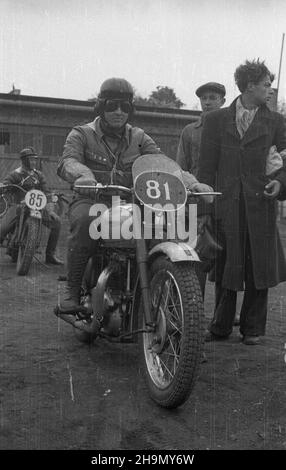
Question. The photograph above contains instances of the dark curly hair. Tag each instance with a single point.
(251, 72)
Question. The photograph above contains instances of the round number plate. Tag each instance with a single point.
(35, 199)
(162, 189)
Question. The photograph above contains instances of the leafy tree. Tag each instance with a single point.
(141, 101)
(165, 97)
(281, 107)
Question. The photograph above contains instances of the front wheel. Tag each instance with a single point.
(28, 244)
(172, 354)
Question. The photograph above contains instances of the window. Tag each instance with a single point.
(20, 140)
(4, 137)
(53, 144)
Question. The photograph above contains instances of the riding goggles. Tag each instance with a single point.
(113, 105)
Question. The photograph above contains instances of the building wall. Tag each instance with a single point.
(45, 122)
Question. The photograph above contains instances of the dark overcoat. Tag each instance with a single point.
(236, 167)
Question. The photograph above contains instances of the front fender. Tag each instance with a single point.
(175, 251)
(35, 213)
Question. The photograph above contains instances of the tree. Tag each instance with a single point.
(165, 97)
(281, 107)
(141, 101)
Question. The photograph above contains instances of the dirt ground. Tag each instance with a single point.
(56, 393)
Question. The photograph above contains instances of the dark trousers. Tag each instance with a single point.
(253, 310)
(80, 220)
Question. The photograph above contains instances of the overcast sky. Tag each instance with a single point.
(66, 48)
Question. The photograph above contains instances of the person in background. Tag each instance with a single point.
(29, 177)
(212, 97)
(237, 158)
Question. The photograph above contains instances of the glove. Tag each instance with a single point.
(203, 188)
(54, 216)
(51, 212)
(85, 181)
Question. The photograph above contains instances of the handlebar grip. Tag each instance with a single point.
(205, 193)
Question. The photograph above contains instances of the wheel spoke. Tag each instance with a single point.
(176, 328)
(174, 350)
(161, 363)
(177, 334)
(174, 305)
(163, 354)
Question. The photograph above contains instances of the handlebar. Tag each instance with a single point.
(129, 191)
(205, 193)
(51, 194)
(7, 186)
(58, 196)
(97, 187)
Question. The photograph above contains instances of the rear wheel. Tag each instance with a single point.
(171, 355)
(28, 245)
(84, 336)
(85, 300)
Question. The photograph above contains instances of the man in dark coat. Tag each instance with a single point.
(235, 157)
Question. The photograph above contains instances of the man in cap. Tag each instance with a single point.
(211, 96)
(102, 151)
(29, 177)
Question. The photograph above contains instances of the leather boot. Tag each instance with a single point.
(76, 263)
(51, 257)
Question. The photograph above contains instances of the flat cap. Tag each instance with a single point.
(211, 86)
(28, 152)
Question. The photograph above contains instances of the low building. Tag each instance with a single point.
(45, 122)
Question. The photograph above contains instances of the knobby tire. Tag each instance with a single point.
(28, 245)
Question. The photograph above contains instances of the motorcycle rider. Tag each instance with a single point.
(29, 177)
(101, 151)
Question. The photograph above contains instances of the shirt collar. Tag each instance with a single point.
(95, 125)
(240, 109)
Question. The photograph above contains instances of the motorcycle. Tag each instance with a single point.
(144, 288)
(24, 240)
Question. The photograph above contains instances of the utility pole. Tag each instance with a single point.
(272, 103)
(280, 63)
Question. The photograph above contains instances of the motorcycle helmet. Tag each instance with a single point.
(114, 89)
(28, 157)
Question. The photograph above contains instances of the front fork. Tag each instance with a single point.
(20, 225)
(142, 263)
(24, 214)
